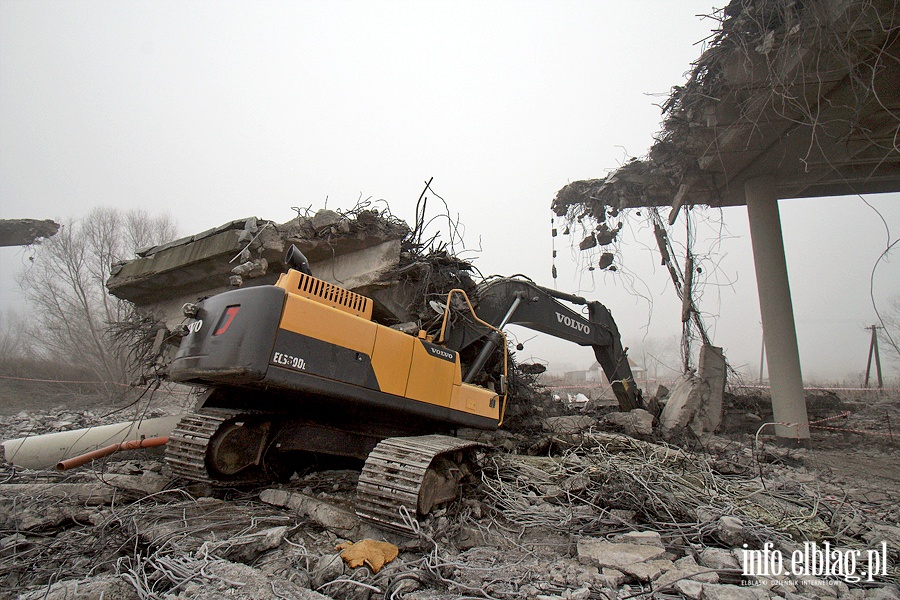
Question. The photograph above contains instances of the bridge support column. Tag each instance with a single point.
(779, 331)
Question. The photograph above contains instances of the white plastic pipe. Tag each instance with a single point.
(44, 451)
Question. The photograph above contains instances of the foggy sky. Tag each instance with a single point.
(213, 111)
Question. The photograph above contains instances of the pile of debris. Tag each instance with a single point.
(568, 511)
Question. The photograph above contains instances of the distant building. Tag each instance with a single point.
(594, 376)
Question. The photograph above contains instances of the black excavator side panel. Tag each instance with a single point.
(230, 340)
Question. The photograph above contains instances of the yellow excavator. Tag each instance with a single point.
(299, 369)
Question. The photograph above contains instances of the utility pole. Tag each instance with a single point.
(873, 350)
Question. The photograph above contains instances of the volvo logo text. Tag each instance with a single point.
(576, 325)
(442, 353)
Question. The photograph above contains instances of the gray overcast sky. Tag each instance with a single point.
(212, 111)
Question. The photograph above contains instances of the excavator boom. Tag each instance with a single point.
(522, 302)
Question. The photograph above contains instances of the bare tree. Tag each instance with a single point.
(12, 343)
(659, 356)
(72, 310)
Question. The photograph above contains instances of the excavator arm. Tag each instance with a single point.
(502, 301)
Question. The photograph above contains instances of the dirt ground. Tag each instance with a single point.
(544, 520)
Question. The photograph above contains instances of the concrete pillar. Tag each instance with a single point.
(779, 332)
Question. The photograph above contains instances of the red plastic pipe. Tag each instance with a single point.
(71, 463)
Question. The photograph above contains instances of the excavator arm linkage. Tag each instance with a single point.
(540, 309)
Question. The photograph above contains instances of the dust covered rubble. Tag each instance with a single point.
(588, 514)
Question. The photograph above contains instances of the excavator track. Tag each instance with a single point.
(397, 476)
(403, 476)
(188, 444)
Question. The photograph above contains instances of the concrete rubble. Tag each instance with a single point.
(563, 510)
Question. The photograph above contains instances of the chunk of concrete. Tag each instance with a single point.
(596, 551)
(614, 577)
(686, 568)
(732, 592)
(568, 425)
(664, 564)
(689, 394)
(23, 232)
(730, 530)
(647, 538)
(146, 484)
(252, 268)
(324, 218)
(689, 589)
(330, 516)
(633, 422)
(363, 253)
(642, 571)
(246, 548)
(717, 558)
(887, 592)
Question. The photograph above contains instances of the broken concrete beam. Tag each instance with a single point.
(359, 268)
(44, 451)
(713, 371)
(146, 484)
(330, 516)
(185, 265)
(75, 493)
(101, 586)
(22, 232)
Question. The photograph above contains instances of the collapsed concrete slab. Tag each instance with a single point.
(23, 232)
(354, 251)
